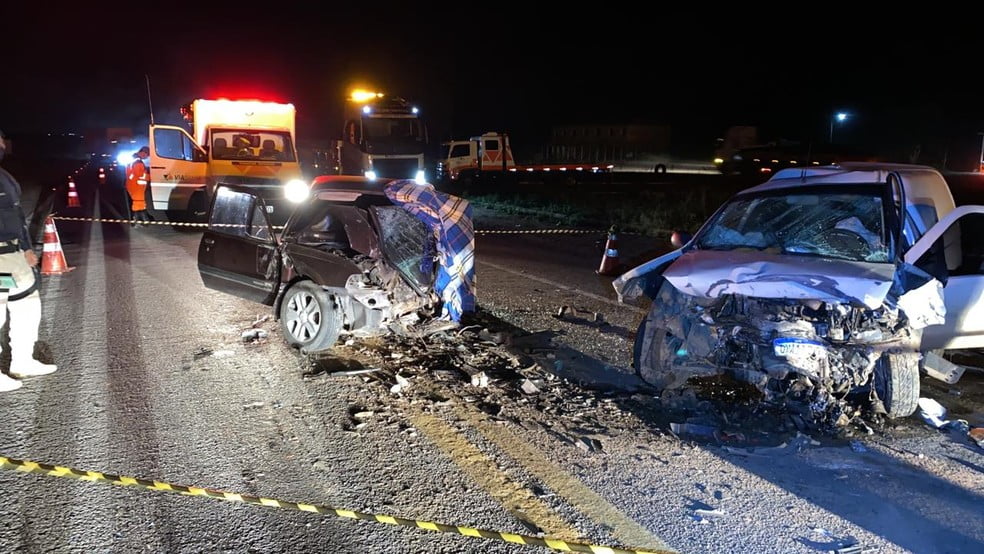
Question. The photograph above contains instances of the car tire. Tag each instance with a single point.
(310, 318)
(650, 363)
(660, 169)
(896, 383)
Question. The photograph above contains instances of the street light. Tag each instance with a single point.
(980, 164)
(839, 117)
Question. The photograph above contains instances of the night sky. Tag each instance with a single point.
(474, 67)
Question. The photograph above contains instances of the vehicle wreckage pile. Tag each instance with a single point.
(505, 371)
(737, 333)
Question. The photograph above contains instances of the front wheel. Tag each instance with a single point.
(896, 383)
(310, 318)
(653, 352)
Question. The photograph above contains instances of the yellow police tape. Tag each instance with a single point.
(477, 231)
(25, 466)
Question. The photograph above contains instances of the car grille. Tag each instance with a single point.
(395, 168)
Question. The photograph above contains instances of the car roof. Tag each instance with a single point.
(351, 183)
(844, 173)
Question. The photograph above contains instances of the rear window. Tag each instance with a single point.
(407, 243)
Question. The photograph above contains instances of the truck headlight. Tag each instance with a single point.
(296, 191)
(371, 175)
(420, 178)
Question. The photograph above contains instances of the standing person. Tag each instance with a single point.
(137, 176)
(18, 259)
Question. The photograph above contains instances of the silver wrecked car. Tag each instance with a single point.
(818, 284)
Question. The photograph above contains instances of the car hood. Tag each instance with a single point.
(711, 273)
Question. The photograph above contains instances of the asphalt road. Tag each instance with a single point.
(154, 381)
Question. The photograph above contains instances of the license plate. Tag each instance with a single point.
(797, 348)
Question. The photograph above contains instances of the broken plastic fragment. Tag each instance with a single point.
(528, 387)
(480, 379)
(924, 305)
(932, 412)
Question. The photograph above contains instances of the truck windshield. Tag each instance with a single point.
(841, 225)
(396, 128)
(258, 146)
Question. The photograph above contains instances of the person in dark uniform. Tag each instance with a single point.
(18, 260)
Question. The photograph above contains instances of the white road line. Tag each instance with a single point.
(590, 295)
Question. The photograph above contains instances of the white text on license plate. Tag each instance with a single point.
(797, 348)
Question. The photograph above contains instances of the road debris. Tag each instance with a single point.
(254, 335)
(401, 384)
(977, 435)
(528, 387)
(260, 320)
(480, 379)
(581, 315)
(353, 372)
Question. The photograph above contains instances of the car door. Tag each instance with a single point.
(238, 251)
(178, 167)
(963, 292)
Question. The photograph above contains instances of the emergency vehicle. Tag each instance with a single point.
(234, 142)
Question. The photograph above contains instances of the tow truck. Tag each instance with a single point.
(248, 143)
(489, 157)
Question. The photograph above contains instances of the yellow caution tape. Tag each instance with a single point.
(25, 466)
(477, 231)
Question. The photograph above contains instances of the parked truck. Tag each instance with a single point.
(489, 157)
(383, 137)
(234, 142)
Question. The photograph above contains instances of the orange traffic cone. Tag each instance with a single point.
(53, 259)
(73, 195)
(609, 260)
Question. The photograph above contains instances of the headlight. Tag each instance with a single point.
(420, 178)
(371, 175)
(296, 191)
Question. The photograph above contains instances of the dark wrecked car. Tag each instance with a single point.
(349, 261)
(819, 284)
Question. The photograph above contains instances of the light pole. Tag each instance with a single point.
(980, 162)
(839, 117)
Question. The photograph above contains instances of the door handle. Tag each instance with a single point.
(208, 241)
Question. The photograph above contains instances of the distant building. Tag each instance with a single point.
(606, 143)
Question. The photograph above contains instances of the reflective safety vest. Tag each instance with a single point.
(136, 184)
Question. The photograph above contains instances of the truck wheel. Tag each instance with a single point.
(310, 318)
(896, 383)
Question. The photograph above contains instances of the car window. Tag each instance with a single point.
(230, 212)
(848, 226)
(259, 228)
(460, 150)
(407, 243)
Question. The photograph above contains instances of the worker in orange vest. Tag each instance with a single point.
(137, 177)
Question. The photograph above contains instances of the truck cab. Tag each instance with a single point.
(235, 142)
(382, 137)
(487, 152)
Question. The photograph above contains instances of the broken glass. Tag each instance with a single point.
(848, 226)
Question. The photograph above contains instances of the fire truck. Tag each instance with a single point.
(237, 142)
(383, 136)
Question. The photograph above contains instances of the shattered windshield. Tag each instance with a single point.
(827, 223)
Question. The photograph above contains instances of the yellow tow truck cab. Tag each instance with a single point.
(237, 142)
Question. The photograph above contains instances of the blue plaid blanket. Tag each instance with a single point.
(450, 218)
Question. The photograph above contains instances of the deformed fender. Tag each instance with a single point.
(644, 279)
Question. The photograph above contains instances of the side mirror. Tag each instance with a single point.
(679, 238)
